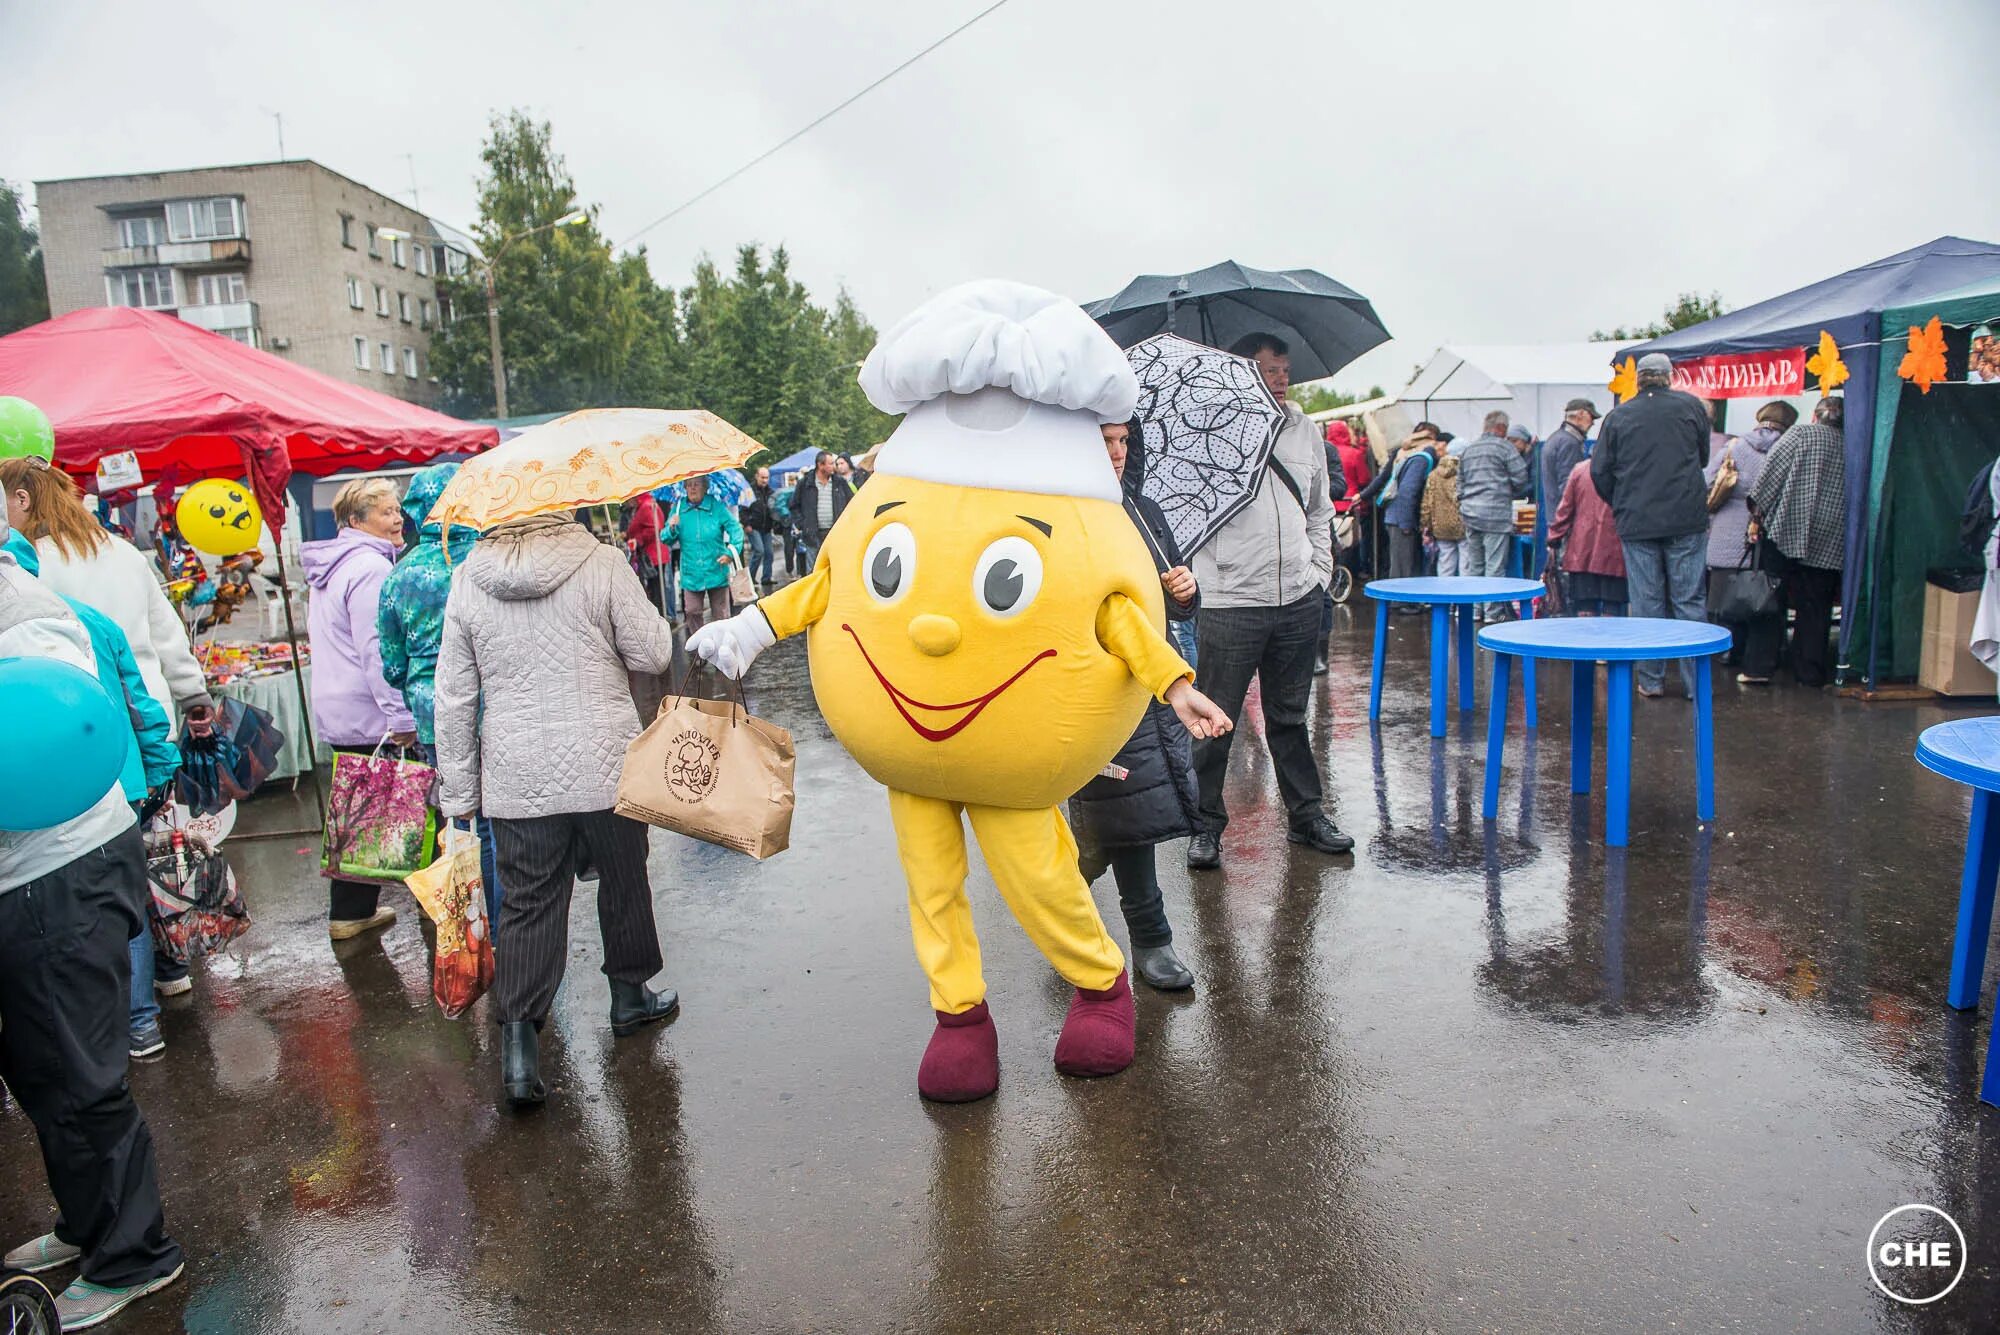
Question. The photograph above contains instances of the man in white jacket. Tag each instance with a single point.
(1261, 577)
(71, 897)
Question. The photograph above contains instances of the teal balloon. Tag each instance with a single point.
(64, 744)
(25, 430)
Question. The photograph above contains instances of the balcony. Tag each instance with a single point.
(223, 316)
(132, 257)
(229, 250)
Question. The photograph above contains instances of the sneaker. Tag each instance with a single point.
(174, 987)
(83, 1304)
(1204, 852)
(1745, 679)
(343, 929)
(147, 1041)
(1321, 835)
(47, 1252)
(1652, 692)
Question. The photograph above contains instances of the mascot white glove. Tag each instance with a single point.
(731, 646)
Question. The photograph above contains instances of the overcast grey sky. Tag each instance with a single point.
(1485, 173)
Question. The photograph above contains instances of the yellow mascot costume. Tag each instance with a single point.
(984, 628)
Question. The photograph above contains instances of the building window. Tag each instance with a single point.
(388, 359)
(423, 258)
(360, 352)
(347, 230)
(145, 230)
(450, 261)
(216, 289)
(374, 243)
(397, 255)
(381, 300)
(444, 310)
(204, 219)
(424, 310)
(147, 289)
(245, 336)
(403, 307)
(355, 296)
(410, 362)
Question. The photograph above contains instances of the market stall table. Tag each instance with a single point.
(1441, 594)
(278, 695)
(1968, 751)
(1618, 642)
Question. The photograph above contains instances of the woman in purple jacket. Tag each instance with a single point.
(354, 708)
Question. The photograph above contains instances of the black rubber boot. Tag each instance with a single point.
(521, 1064)
(1161, 969)
(635, 1004)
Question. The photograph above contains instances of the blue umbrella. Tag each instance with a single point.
(1327, 324)
(727, 486)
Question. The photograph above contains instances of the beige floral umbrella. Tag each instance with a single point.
(600, 456)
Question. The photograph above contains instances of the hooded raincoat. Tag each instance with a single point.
(352, 703)
(411, 616)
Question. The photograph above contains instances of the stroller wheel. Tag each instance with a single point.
(27, 1307)
(1343, 584)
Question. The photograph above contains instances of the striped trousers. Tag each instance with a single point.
(538, 858)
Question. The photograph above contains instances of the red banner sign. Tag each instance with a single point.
(1744, 375)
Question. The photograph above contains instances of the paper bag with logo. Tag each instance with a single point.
(742, 588)
(708, 770)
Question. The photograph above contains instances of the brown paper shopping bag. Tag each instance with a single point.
(708, 770)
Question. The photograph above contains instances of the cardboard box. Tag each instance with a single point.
(1948, 666)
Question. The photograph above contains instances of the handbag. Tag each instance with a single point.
(379, 822)
(195, 907)
(708, 770)
(452, 894)
(1747, 593)
(1724, 486)
(742, 589)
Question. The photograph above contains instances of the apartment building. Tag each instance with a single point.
(286, 256)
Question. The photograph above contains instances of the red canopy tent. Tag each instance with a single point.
(192, 404)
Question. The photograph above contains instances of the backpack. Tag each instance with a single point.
(1975, 517)
(1440, 511)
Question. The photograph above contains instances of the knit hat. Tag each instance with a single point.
(1004, 387)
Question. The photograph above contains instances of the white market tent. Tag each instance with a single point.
(1530, 382)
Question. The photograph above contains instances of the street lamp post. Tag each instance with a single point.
(569, 219)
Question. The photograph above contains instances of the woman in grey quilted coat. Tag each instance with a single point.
(534, 711)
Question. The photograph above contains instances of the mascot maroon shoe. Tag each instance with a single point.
(1098, 1035)
(962, 1062)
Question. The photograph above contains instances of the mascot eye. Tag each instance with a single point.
(890, 563)
(1008, 577)
(216, 512)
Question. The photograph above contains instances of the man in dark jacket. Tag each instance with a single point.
(758, 523)
(1648, 468)
(818, 501)
(1565, 448)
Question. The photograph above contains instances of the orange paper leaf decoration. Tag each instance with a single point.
(1923, 364)
(1826, 364)
(1625, 380)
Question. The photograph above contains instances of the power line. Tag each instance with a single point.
(809, 127)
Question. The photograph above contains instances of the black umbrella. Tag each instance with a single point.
(1327, 324)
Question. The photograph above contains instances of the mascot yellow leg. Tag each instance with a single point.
(1032, 856)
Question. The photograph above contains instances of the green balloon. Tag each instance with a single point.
(25, 430)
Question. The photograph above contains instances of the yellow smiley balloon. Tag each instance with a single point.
(219, 517)
(959, 657)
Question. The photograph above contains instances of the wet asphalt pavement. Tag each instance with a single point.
(1471, 1078)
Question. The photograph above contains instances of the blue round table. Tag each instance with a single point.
(1968, 750)
(1618, 642)
(1441, 594)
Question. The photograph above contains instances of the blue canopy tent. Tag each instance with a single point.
(794, 463)
(1848, 306)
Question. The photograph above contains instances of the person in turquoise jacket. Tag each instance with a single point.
(410, 621)
(150, 764)
(710, 540)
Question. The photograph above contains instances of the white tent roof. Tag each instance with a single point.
(1494, 371)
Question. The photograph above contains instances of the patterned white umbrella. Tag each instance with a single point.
(1210, 423)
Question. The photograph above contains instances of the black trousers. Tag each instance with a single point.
(1278, 646)
(1812, 592)
(538, 857)
(65, 1002)
(1139, 896)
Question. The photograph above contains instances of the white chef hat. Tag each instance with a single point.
(1004, 386)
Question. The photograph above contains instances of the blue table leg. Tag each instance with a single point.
(1617, 753)
(1440, 665)
(1465, 659)
(1528, 670)
(1989, 1090)
(1975, 906)
(1381, 651)
(1582, 722)
(1704, 741)
(1496, 734)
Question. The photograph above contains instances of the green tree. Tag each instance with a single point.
(1690, 308)
(1319, 396)
(578, 327)
(24, 295)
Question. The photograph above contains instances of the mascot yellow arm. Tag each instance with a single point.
(799, 604)
(1125, 633)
